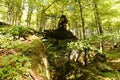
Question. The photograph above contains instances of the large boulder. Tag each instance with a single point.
(59, 34)
(35, 50)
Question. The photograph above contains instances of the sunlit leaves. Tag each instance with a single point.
(81, 45)
(108, 9)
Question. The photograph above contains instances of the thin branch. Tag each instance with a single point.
(50, 5)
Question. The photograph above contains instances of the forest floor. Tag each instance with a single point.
(114, 60)
(115, 64)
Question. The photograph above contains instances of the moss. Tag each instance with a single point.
(35, 51)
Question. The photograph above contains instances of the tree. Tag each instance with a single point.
(98, 23)
(82, 19)
(14, 11)
(83, 29)
(43, 10)
(31, 6)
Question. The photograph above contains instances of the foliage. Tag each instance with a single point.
(97, 67)
(54, 48)
(80, 45)
(14, 66)
(3, 31)
(108, 37)
(19, 31)
(7, 42)
(83, 45)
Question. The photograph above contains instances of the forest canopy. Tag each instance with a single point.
(45, 14)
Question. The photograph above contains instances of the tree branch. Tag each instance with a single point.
(50, 5)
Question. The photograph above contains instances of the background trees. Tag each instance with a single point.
(44, 14)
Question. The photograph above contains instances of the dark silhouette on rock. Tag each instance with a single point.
(61, 33)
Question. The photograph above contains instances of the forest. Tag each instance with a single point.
(59, 39)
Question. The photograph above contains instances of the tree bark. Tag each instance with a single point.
(83, 30)
(42, 19)
(29, 17)
(98, 23)
(97, 17)
(82, 19)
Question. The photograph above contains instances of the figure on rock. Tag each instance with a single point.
(63, 22)
(61, 33)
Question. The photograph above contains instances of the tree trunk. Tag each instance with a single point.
(29, 17)
(83, 30)
(82, 19)
(98, 23)
(14, 12)
(9, 12)
(37, 20)
(97, 17)
(21, 7)
(42, 19)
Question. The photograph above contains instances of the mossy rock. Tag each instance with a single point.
(34, 49)
(59, 34)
